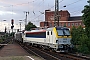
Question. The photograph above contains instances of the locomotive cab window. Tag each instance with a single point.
(66, 32)
(63, 31)
(60, 32)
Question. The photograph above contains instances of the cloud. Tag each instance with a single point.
(8, 26)
(15, 9)
(6, 12)
(13, 2)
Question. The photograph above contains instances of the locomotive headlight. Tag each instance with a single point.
(60, 46)
(55, 45)
(69, 36)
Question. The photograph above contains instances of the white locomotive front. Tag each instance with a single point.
(58, 38)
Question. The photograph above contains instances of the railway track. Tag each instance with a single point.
(39, 53)
(49, 55)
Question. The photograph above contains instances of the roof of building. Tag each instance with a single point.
(75, 18)
(54, 11)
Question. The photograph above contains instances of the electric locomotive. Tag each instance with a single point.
(55, 38)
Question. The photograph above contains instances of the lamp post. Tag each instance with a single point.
(5, 26)
(20, 24)
(5, 29)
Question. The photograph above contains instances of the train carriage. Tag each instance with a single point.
(18, 36)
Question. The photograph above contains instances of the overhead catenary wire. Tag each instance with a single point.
(75, 12)
(41, 13)
(26, 3)
(67, 4)
(71, 3)
(54, 5)
(40, 4)
(36, 17)
(22, 4)
(60, 2)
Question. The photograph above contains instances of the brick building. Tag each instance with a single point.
(64, 19)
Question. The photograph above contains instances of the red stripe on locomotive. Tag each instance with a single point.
(36, 32)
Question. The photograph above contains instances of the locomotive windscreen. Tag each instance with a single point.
(62, 31)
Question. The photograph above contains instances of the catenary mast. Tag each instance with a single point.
(56, 17)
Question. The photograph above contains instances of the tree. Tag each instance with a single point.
(29, 26)
(74, 37)
(83, 43)
(80, 40)
(76, 33)
(86, 19)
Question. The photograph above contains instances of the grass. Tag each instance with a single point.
(17, 58)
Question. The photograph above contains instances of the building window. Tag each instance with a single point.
(76, 24)
(80, 24)
(68, 24)
(50, 25)
(52, 17)
(45, 23)
(72, 24)
(60, 24)
(64, 24)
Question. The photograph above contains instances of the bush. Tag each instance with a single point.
(83, 49)
(1, 41)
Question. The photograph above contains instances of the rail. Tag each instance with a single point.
(50, 55)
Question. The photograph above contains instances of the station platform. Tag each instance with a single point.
(15, 52)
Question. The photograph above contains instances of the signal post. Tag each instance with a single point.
(12, 22)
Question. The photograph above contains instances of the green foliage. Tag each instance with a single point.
(76, 33)
(1, 40)
(12, 34)
(86, 19)
(29, 26)
(81, 37)
(74, 37)
(80, 40)
(83, 49)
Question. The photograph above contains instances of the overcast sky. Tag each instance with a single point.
(15, 9)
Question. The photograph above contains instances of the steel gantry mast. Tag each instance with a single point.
(56, 17)
(26, 18)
